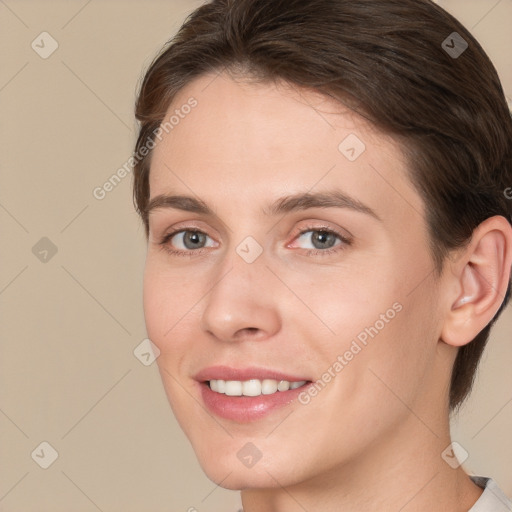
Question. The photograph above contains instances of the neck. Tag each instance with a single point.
(403, 472)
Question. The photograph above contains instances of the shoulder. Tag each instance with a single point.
(493, 499)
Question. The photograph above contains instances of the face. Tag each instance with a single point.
(299, 262)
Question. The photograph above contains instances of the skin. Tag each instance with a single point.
(372, 439)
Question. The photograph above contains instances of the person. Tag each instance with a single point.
(323, 185)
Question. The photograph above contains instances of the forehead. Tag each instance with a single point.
(245, 142)
(237, 118)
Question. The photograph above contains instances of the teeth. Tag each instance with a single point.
(233, 388)
(284, 385)
(253, 387)
(268, 387)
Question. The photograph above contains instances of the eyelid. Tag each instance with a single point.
(169, 235)
(336, 249)
(201, 227)
(344, 234)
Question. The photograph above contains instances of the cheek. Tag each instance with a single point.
(156, 302)
(169, 298)
(384, 333)
(343, 303)
(394, 365)
(168, 312)
(374, 379)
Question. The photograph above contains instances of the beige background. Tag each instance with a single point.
(70, 325)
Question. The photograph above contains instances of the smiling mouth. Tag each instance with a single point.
(253, 387)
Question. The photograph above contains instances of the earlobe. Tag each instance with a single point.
(482, 276)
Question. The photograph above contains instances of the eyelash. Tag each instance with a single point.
(315, 252)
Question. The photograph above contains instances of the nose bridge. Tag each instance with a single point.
(243, 266)
(240, 299)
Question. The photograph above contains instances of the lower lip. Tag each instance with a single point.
(244, 409)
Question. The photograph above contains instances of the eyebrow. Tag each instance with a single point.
(295, 202)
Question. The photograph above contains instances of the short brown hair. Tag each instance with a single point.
(389, 61)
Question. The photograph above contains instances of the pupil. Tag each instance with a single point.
(323, 237)
(193, 238)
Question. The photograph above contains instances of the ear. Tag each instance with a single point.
(478, 281)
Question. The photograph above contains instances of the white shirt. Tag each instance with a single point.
(493, 499)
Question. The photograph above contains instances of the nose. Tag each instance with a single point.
(241, 304)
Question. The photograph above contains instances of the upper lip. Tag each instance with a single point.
(243, 374)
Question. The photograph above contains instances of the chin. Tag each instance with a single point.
(238, 479)
(234, 470)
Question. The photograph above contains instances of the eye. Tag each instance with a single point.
(321, 240)
(186, 241)
(318, 239)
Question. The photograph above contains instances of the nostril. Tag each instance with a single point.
(247, 330)
(249, 333)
